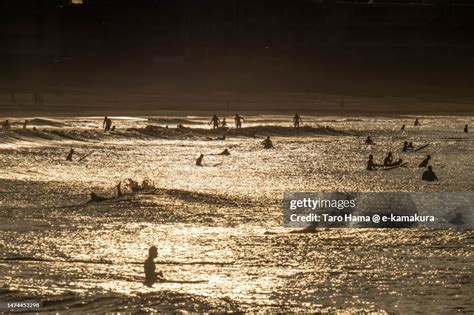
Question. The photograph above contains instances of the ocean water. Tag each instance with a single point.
(211, 224)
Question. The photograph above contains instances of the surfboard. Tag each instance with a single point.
(421, 148)
(394, 167)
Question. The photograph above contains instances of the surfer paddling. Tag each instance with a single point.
(151, 276)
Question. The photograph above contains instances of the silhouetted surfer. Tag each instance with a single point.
(107, 123)
(297, 120)
(405, 146)
(369, 140)
(151, 276)
(223, 123)
(69, 156)
(466, 129)
(410, 146)
(25, 124)
(388, 159)
(6, 126)
(267, 143)
(238, 121)
(199, 160)
(371, 164)
(225, 152)
(215, 121)
(425, 162)
(403, 128)
(416, 123)
(429, 175)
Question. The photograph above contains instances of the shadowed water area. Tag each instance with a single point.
(209, 223)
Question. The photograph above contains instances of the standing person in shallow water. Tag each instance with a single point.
(107, 123)
(429, 175)
(224, 123)
(388, 159)
(466, 129)
(297, 120)
(238, 121)
(151, 276)
(215, 121)
(6, 126)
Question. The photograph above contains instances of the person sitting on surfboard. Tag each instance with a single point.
(151, 276)
(429, 175)
(224, 123)
(466, 129)
(199, 160)
(410, 146)
(388, 159)
(297, 120)
(403, 128)
(69, 156)
(369, 141)
(425, 162)
(417, 123)
(371, 164)
(267, 143)
(405, 146)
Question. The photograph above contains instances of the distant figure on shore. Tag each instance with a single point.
(25, 124)
(214, 121)
(6, 126)
(151, 276)
(369, 140)
(417, 122)
(238, 121)
(297, 120)
(429, 175)
(199, 160)
(425, 162)
(466, 129)
(107, 124)
(69, 156)
(223, 123)
(371, 164)
(225, 152)
(267, 143)
(403, 128)
(405, 146)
